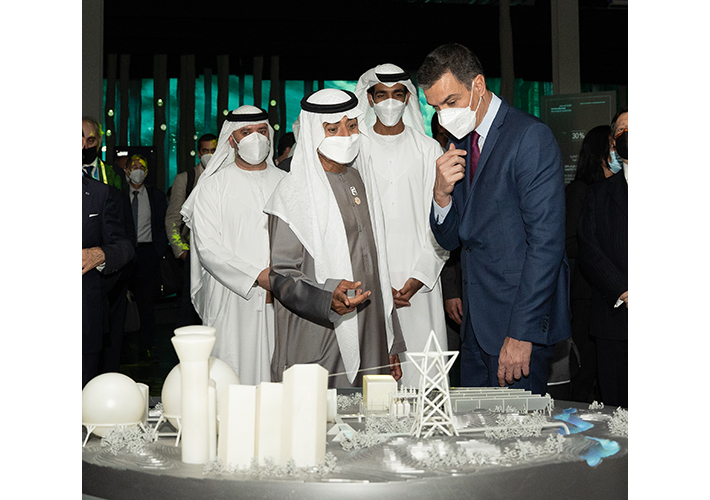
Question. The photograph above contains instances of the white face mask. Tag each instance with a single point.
(340, 149)
(254, 148)
(137, 176)
(459, 121)
(389, 111)
(205, 159)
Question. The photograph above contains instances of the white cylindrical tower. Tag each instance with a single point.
(193, 350)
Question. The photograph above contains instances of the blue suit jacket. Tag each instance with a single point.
(102, 226)
(510, 224)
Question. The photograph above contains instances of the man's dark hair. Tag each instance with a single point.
(287, 141)
(593, 155)
(453, 57)
(623, 110)
(206, 138)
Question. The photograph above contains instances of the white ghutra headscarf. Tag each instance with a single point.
(389, 74)
(223, 156)
(305, 201)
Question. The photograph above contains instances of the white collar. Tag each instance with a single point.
(485, 126)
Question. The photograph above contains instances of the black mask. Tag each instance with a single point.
(88, 156)
(622, 145)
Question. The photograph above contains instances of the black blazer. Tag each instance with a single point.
(575, 198)
(102, 226)
(603, 254)
(158, 208)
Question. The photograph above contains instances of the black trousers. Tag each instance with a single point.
(89, 366)
(113, 337)
(613, 371)
(143, 284)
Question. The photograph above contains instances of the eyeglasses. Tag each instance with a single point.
(618, 134)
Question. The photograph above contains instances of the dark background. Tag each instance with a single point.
(335, 40)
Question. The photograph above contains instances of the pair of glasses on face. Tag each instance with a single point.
(618, 134)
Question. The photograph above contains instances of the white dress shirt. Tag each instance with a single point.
(143, 227)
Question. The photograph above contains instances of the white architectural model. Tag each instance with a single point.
(403, 402)
(269, 421)
(305, 409)
(109, 400)
(376, 390)
(503, 399)
(276, 422)
(433, 412)
(220, 372)
(237, 416)
(194, 350)
(282, 423)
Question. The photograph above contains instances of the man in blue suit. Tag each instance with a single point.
(499, 195)
(105, 250)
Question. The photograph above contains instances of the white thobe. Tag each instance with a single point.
(231, 243)
(405, 168)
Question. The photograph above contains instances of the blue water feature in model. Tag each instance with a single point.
(601, 448)
(578, 425)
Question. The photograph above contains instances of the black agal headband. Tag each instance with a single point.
(248, 117)
(330, 108)
(392, 77)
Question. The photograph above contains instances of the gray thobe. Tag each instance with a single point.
(304, 328)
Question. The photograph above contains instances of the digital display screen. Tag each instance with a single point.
(570, 116)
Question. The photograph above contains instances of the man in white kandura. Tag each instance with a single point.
(230, 266)
(404, 161)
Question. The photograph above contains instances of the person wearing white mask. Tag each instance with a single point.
(499, 196)
(178, 232)
(148, 206)
(230, 241)
(329, 269)
(403, 160)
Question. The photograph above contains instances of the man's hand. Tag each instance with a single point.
(403, 296)
(625, 298)
(395, 367)
(90, 258)
(341, 303)
(450, 168)
(263, 279)
(454, 308)
(183, 255)
(514, 361)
